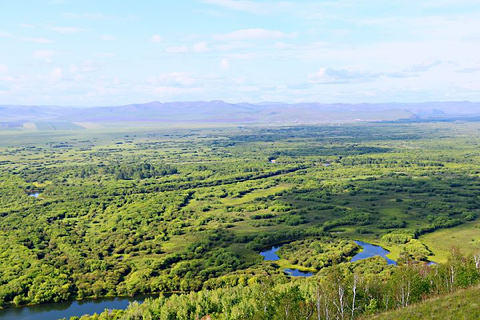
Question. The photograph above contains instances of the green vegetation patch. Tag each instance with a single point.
(318, 253)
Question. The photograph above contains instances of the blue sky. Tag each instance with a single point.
(91, 52)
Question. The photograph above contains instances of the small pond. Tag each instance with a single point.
(36, 194)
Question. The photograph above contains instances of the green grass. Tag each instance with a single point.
(463, 304)
(466, 237)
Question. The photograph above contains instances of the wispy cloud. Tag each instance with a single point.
(177, 49)
(248, 6)
(98, 16)
(4, 34)
(356, 75)
(85, 67)
(200, 47)
(87, 15)
(56, 74)
(423, 67)
(105, 55)
(3, 69)
(156, 38)
(43, 54)
(224, 64)
(37, 40)
(253, 34)
(469, 70)
(108, 37)
(173, 79)
(67, 29)
(342, 75)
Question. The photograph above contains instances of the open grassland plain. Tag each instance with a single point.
(465, 236)
(132, 211)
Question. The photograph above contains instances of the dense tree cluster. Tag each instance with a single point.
(341, 292)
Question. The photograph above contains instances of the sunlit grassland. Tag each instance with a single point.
(463, 304)
(466, 237)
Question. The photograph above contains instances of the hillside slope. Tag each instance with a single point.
(463, 304)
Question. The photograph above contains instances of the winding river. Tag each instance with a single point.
(271, 255)
(368, 250)
(68, 309)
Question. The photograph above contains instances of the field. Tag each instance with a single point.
(466, 237)
(131, 211)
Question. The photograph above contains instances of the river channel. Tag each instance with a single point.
(53, 311)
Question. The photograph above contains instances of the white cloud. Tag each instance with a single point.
(56, 1)
(234, 45)
(43, 54)
(174, 92)
(462, 27)
(85, 67)
(37, 40)
(177, 49)
(244, 56)
(108, 37)
(224, 64)
(200, 47)
(343, 75)
(56, 74)
(87, 15)
(253, 34)
(105, 55)
(66, 29)
(176, 79)
(423, 66)
(3, 69)
(446, 3)
(247, 6)
(156, 38)
(4, 34)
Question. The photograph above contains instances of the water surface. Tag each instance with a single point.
(54, 311)
(298, 273)
(371, 250)
(271, 255)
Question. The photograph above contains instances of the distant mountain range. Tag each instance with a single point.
(242, 113)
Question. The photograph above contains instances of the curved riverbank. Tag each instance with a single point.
(368, 250)
(271, 255)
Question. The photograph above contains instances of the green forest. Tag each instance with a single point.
(184, 213)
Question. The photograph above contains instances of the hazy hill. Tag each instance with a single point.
(220, 111)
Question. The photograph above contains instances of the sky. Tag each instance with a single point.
(112, 52)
